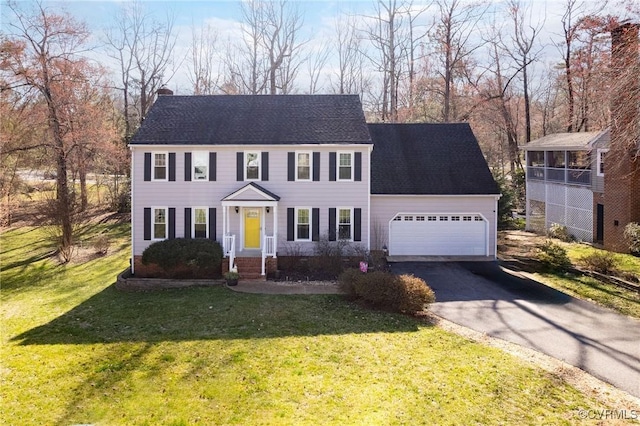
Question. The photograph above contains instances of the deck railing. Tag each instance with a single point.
(268, 249)
(230, 249)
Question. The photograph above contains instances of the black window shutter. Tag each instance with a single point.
(291, 224)
(357, 171)
(315, 224)
(212, 223)
(239, 166)
(172, 222)
(357, 224)
(265, 166)
(147, 223)
(147, 166)
(187, 166)
(332, 166)
(187, 222)
(172, 166)
(332, 224)
(291, 166)
(316, 166)
(212, 166)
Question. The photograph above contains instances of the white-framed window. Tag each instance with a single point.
(419, 218)
(601, 153)
(160, 166)
(160, 223)
(303, 224)
(303, 165)
(200, 222)
(397, 218)
(444, 218)
(200, 165)
(345, 223)
(408, 218)
(432, 218)
(455, 218)
(345, 165)
(252, 165)
(466, 218)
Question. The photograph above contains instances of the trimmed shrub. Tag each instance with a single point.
(347, 280)
(632, 235)
(404, 293)
(185, 258)
(414, 294)
(560, 232)
(603, 262)
(553, 256)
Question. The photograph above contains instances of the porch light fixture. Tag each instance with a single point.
(237, 209)
(268, 209)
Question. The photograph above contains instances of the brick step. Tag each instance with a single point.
(252, 277)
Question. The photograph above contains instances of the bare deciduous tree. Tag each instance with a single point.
(453, 36)
(143, 47)
(203, 72)
(42, 56)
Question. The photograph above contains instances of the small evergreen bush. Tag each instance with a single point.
(553, 256)
(559, 232)
(346, 282)
(603, 262)
(632, 235)
(185, 257)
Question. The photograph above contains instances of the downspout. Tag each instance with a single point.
(133, 228)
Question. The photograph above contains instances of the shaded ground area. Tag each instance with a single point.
(504, 304)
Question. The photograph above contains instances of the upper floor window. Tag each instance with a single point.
(345, 228)
(602, 153)
(252, 165)
(303, 224)
(345, 166)
(303, 166)
(200, 222)
(160, 166)
(200, 165)
(160, 223)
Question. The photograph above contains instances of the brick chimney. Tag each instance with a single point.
(622, 164)
(164, 90)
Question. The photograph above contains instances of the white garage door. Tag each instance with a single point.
(429, 234)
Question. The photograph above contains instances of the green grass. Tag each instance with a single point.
(624, 262)
(625, 301)
(75, 350)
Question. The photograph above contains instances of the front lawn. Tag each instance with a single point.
(77, 351)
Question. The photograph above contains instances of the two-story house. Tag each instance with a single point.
(261, 174)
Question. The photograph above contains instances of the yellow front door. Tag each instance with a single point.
(252, 228)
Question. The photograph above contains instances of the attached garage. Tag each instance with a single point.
(432, 193)
(438, 234)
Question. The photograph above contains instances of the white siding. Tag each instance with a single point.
(180, 194)
(385, 207)
(571, 206)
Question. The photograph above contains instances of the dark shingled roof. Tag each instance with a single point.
(438, 159)
(252, 120)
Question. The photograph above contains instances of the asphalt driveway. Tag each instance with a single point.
(501, 303)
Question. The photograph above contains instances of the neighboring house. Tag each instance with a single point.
(271, 175)
(568, 179)
(565, 182)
